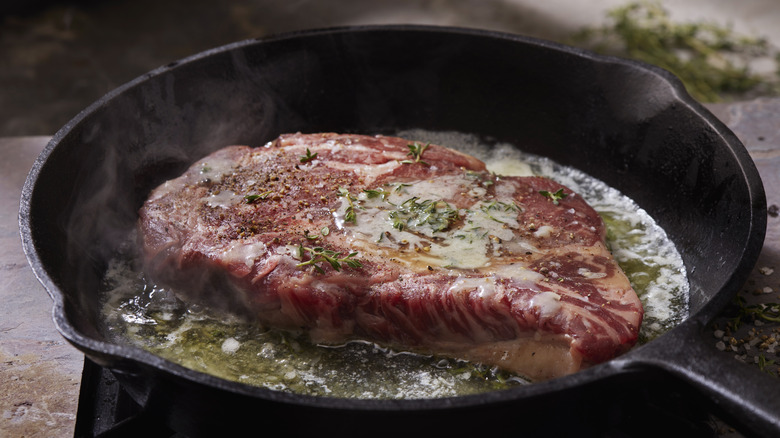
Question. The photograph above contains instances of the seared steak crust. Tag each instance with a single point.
(406, 244)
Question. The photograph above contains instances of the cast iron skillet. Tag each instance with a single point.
(629, 124)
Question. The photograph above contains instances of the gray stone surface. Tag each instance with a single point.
(39, 371)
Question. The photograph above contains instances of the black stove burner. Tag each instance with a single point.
(656, 408)
(106, 411)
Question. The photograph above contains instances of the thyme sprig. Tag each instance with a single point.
(763, 364)
(319, 255)
(416, 151)
(376, 193)
(485, 179)
(554, 197)
(415, 213)
(323, 232)
(499, 206)
(400, 187)
(308, 157)
(349, 214)
(253, 198)
(712, 60)
(769, 312)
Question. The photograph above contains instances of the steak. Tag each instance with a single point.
(409, 245)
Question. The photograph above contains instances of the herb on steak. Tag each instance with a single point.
(349, 214)
(308, 157)
(376, 193)
(499, 206)
(554, 197)
(252, 198)
(323, 232)
(415, 213)
(321, 255)
(416, 151)
(485, 179)
(400, 187)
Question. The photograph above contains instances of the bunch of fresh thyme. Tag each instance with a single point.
(711, 60)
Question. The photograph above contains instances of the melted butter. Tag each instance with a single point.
(367, 173)
(244, 253)
(212, 169)
(548, 303)
(224, 199)
(485, 286)
(477, 234)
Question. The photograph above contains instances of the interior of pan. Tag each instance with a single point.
(629, 125)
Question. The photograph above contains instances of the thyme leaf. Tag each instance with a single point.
(308, 157)
(769, 312)
(323, 232)
(319, 255)
(712, 60)
(349, 214)
(416, 213)
(376, 193)
(416, 151)
(498, 206)
(400, 187)
(253, 198)
(554, 197)
(763, 364)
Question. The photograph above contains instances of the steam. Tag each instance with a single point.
(140, 135)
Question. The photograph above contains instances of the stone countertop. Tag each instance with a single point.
(40, 372)
(757, 341)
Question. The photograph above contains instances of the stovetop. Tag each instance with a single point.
(106, 410)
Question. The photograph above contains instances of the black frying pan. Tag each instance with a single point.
(628, 124)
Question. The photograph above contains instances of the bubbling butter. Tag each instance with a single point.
(386, 220)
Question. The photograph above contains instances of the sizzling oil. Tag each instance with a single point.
(139, 313)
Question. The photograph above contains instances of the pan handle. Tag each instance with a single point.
(744, 396)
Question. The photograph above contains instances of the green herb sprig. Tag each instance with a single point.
(764, 364)
(711, 60)
(416, 152)
(319, 255)
(254, 198)
(400, 187)
(415, 213)
(769, 312)
(349, 214)
(376, 193)
(498, 206)
(308, 157)
(323, 232)
(555, 197)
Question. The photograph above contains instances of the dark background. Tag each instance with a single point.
(57, 57)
